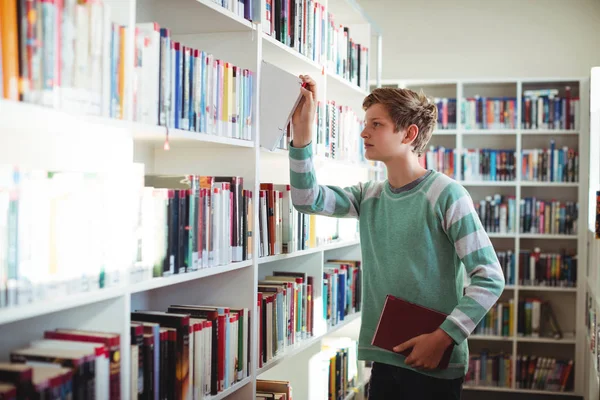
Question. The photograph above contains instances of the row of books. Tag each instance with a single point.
(498, 321)
(185, 88)
(209, 348)
(537, 165)
(284, 230)
(336, 133)
(446, 112)
(550, 165)
(497, 213)
(191, 222)
(69, 56)
(548, 217)
(52, 221)
(547, 109)
(273, 390)
(341, 293)
(285, 311)
(308, 28)
(544, 373)
(480, 112)
(537, 319)
(532, 372)
(548, 268)
(338, 367)
(487, 369)
(299, 24)
(508, 265)
(68, 363)
(539, 111)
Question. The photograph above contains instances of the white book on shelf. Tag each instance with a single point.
(279, 96)
(149, 98)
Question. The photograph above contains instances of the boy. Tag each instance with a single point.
(417, 230)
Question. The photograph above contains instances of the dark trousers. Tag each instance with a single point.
(389, 382)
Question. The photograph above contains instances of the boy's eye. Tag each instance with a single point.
(376, 124)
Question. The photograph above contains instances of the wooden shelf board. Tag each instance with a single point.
(300, 253)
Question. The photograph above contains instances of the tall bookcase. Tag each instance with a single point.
(501, 134)
(35, 136)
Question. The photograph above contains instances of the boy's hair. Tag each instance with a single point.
(407, 107)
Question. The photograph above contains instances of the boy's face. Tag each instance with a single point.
(381, 140)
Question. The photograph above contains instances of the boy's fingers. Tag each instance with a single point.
(307, 94)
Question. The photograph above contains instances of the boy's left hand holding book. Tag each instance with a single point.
(427, 349)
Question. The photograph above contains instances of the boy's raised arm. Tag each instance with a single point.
(311, 198)
(307, 196)
(464, 229)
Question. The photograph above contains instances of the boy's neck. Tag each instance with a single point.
(402, 171)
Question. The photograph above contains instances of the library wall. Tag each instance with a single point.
(474, 39)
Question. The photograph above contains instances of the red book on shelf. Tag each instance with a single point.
(401, 321)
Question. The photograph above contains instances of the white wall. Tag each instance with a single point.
(437, 39)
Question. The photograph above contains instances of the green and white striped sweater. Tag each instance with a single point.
(414, 245)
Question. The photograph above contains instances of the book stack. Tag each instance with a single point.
(68, 56)
(286, 312)
(548, 217)
(191, 222)
(442, 160)
(550, 164)
(342, 282)
(489, 369)
(489, 113)
(489, 165)
(66, 363)
(547, 109)
(203, 349)
(446, 113)
(274, 390)
(52, 220)
(498, 321)
(497, 213)
(537, 319)
(345, 57)
(186, 88)
(548, 268)
(544, 373)
(507, 263)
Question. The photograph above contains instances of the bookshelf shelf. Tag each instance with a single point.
(158, 134)
(546, 236)
(192, 16)
(300, 253)
(549, 132)
(489, 131)
(492, 338)
(231, 390)
(156, 283)
(511, 390)
(546, 340)
(445, 132)
(549, 184)
(548, 289)
(288, 58)
(343, 87)
(304, 344)
(490, 183)
(19, 313)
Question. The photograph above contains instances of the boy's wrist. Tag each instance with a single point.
(302, 135)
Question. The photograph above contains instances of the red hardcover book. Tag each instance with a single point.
(401, 321)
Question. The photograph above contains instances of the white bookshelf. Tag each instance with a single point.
(40, 137)
(567, 302)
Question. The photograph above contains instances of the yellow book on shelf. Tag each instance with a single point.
(312, 232)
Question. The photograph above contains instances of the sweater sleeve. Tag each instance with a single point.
(309, 197)
(474, 248)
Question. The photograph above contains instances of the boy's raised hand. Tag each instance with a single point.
(304, 115)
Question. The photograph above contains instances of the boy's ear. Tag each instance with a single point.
(411, 133)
